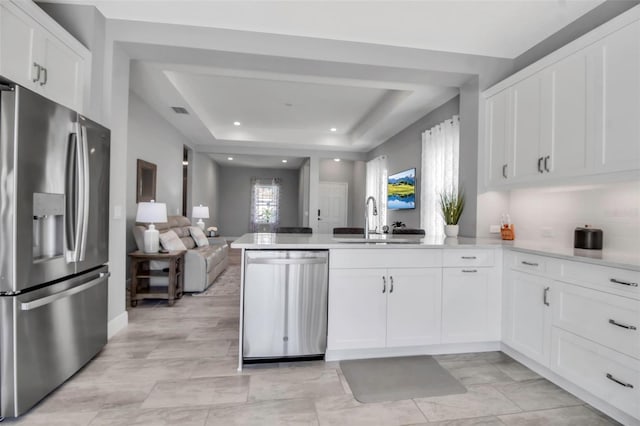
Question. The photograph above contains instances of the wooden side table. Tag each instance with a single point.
(141, 275)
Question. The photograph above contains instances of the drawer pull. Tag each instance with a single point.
(384, 284)
(469, 257)
(621, 383)
(391, 286)
(628, 327)
(545, 296)
(524, 262)
(469, 270)
(613, 280)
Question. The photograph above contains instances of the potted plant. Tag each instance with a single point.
(452, 205)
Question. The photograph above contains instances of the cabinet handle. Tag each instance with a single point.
(628, 327)
(384, 284)
(540, 164)
(38, 68)
(42, 83)
(613, 280)
(391, 287)
(470, 270)
(529, 263)
(545, 296)
(469, 257)
(620, 382)
(504, 171)
(546, 163)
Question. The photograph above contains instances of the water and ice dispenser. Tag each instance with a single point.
(48, 226)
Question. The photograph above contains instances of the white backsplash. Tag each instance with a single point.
(550, 215)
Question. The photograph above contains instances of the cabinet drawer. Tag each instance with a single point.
(534, 263)
(596, 369)
(610, 320)
(619, 281)
(384, 258)
(467, 257)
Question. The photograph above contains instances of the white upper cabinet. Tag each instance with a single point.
(616, 95)
(526, 128)
(570, 114)
(36, 54)
(563, 148)
(497, 126)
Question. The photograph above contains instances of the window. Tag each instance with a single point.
(265, 205)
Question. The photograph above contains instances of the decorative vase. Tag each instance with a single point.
(451, 230)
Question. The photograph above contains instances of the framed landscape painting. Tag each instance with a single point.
(401, 190)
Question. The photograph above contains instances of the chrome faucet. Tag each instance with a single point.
(366, 215)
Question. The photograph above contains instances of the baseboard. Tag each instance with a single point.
(117, 324)
(573, 389)
(439, 349)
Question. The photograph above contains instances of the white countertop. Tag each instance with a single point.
(264, 241)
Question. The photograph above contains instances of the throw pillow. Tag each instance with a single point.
(170, 241)
(198, 236)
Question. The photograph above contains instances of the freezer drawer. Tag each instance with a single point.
(285, 304)
(56, 330)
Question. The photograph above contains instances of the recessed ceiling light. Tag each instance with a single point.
(333, 129)
(230, 158)
(284, 161)
(236, 123)
(337, 160)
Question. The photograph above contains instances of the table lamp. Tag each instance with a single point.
(200, 212)
(151, 213)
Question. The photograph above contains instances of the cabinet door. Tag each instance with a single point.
(616, 87)
(469, 302)
(526, 128)
(497, 114)
(414, 306)
(63, 79)
(531, 318)
(16, 44)
(357, 309)
(563, 143)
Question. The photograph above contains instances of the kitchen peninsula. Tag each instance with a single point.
(569, 315)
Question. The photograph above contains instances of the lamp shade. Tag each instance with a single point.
(151, 212)
(200, 212)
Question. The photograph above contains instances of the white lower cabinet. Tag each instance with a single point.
(528, 328)
(413, 307)
(607, 374)
(470, 305)
(378, 308)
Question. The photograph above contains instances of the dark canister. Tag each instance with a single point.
(588, 238)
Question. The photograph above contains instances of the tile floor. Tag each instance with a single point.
(177, 366)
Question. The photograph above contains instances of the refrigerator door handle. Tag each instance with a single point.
(73, 192)
(27, 306)
(84, 193)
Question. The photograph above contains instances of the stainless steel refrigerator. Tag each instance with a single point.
(54, 204)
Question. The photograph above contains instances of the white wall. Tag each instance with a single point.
(205, 186)
(614, 208)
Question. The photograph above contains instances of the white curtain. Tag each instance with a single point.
(377, 187)
(440, 159)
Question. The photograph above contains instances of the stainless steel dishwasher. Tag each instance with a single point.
(285, 304)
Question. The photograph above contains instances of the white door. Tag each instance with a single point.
(563, 144)
(497, 131)
(413, 306)
(16, 42)
(526, 128)
(63, 79)
(357, 309)
(616, 65)
(332, 208)
(465, 305)
(531, 325)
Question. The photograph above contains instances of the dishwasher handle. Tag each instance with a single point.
(288, 261)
